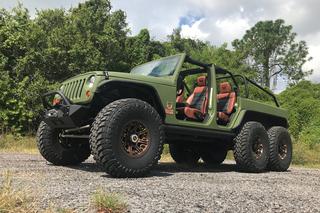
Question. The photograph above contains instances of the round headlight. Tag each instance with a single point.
(91, 81)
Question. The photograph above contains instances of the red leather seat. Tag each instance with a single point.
(197, 102)
(226, 101)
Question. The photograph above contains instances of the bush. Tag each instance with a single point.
(108, 202)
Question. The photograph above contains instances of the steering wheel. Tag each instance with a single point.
(180, 86)
(180, 91)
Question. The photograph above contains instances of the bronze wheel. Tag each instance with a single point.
(283, 149)
(257, 148)
(128, 138)
(251, 149)
(135, 139)
(280, 149)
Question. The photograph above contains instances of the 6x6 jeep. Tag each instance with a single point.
(124, 119)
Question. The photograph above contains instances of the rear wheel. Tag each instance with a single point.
(58, 150)
(251, 149)
(127, 137)
(213, 155)
(280, 149)
(183, 154)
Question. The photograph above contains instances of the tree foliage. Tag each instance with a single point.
(303, 103)
(37, 53)
(270, 48)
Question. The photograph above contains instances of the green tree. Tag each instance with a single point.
(141, 48)
(270, 48)
(303, 103)
(37, 53)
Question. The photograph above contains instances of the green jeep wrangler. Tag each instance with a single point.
(200, 110)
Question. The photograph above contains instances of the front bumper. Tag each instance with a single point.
(65, 115)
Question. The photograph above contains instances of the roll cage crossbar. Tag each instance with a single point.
(220, 70)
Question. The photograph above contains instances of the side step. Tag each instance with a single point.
(196, 134)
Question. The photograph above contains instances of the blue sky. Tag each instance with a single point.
(211, 20)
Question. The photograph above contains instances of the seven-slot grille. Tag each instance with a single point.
(73, 89)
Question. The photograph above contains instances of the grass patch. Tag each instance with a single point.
(105, 202)
(303, 154)
(11, 143)
(166, 157)
(306, 155)
(14, 200)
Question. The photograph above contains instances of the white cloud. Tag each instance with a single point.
(314, 51)
(232, 28)
(193, 31)
(222, 21)
(160, 17)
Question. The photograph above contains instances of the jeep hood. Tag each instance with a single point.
(167, 80)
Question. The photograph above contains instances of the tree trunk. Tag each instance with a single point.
(266, 70)
(266, 78)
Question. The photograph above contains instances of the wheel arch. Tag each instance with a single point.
(118, 89)
(266, 120)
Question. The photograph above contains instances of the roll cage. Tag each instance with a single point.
(205, 67)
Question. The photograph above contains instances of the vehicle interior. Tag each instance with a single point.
(193, 94)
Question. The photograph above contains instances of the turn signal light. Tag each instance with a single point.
(88, 93)
(56, 101)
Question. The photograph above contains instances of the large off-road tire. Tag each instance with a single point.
(61, 151)
(280, 149)
(251, 149)
(92, 139)
(183, 154)
(213, 155)
(127, 137)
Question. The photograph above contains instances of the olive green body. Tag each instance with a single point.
(165, 88)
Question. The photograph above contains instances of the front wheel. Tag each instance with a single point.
(127, 137)
(61, 151)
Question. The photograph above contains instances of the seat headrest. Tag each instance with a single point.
(225, 87)
(201, 81)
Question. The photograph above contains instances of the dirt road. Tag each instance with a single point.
(169, 188)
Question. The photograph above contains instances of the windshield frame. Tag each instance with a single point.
(177, 66)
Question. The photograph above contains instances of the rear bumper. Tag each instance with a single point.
(65, 115)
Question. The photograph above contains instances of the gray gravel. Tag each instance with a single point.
(169, 188)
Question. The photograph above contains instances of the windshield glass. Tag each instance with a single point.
(158, 68)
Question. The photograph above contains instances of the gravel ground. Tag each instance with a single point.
(169, 188)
